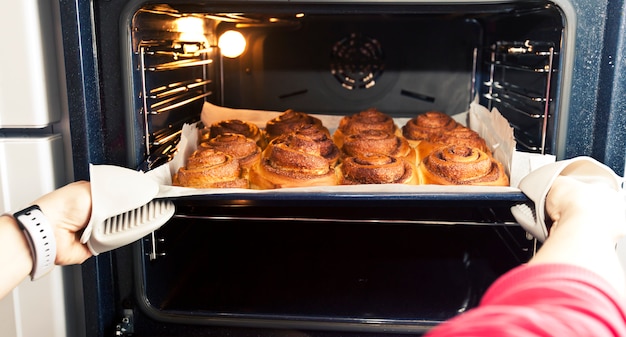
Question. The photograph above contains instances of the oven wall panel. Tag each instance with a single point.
(611, 110)
(589, 99)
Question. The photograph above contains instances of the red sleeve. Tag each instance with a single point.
(543, 300)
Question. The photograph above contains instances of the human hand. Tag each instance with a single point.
(592, 209)
(68, 209)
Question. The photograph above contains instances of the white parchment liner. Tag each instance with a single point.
(491, 125)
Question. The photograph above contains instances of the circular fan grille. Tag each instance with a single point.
(357, 61)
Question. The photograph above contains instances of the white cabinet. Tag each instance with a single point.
(29, 167)
(34, 155)
(28, 61)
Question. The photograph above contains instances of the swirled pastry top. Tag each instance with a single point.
(462, 165)
(311, 136)
(461, 135)
(427, 125)
(370, 119)
(290, 121)
(244, 149)
(376, 168)
(377, 141)
(207, 168)
(294, 160)
(236, 126)
(298, 152)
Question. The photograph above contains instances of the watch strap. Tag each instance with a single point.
(40, 237)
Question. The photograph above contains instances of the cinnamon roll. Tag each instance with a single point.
(294, 160)
(462, 135)
(376, 168)
(461, 165)
(290, 121)
(249, 130)
(317, 136)
(244, 149)
(427, 125)
(370, 119)
(378, 141)
(207, 168)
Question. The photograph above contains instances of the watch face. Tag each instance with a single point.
(27, 211)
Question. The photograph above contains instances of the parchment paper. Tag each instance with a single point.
(491, 125)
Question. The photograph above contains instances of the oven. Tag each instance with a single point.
(327, 264)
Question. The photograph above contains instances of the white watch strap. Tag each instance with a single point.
(40, 238)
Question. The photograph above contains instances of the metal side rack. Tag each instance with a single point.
(175, 82)
(521, 86)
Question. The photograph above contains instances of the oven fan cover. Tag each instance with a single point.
(357, 61)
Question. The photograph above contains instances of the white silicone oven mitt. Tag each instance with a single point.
(531, 216)
(123, 209)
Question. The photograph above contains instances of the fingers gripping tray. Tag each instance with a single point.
(537, 184)
(124, 208)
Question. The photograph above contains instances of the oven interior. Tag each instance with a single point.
(393, 263)
(340, 59)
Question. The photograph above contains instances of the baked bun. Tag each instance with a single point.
(377, 141)
(236, 126)
(244, 149)
(207, 168)
(376, 168)
(427, 125)
(295, 160)
(290, 121)
(461, 165)
(314, 136)
(370, 119)
(461, 135)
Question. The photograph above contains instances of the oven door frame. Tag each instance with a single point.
(593, 126)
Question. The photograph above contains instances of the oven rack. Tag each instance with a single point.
(174, 84)
(155, 245)
(515, 70)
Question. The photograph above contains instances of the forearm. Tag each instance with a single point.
(579, 243)
(15, 255)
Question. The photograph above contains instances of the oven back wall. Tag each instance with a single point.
(392, 62)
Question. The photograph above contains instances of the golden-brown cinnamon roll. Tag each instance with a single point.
(376, 168)
(461, 165)
(249, 130)
(207, 168)
(294, 160)
(317, 136)
(370, 119)
(289, 121)
(427, 125)
(461, 135)
(244, 149)
(378, 141)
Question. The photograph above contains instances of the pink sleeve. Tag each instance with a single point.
(543, 300)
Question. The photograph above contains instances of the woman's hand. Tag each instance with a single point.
(68, 210)
(588, 220)
(588, 208)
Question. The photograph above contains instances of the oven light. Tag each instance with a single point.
(232, 44)
(191, 29)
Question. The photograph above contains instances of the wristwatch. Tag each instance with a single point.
(40, 238)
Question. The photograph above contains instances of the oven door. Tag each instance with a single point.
(311, 266)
